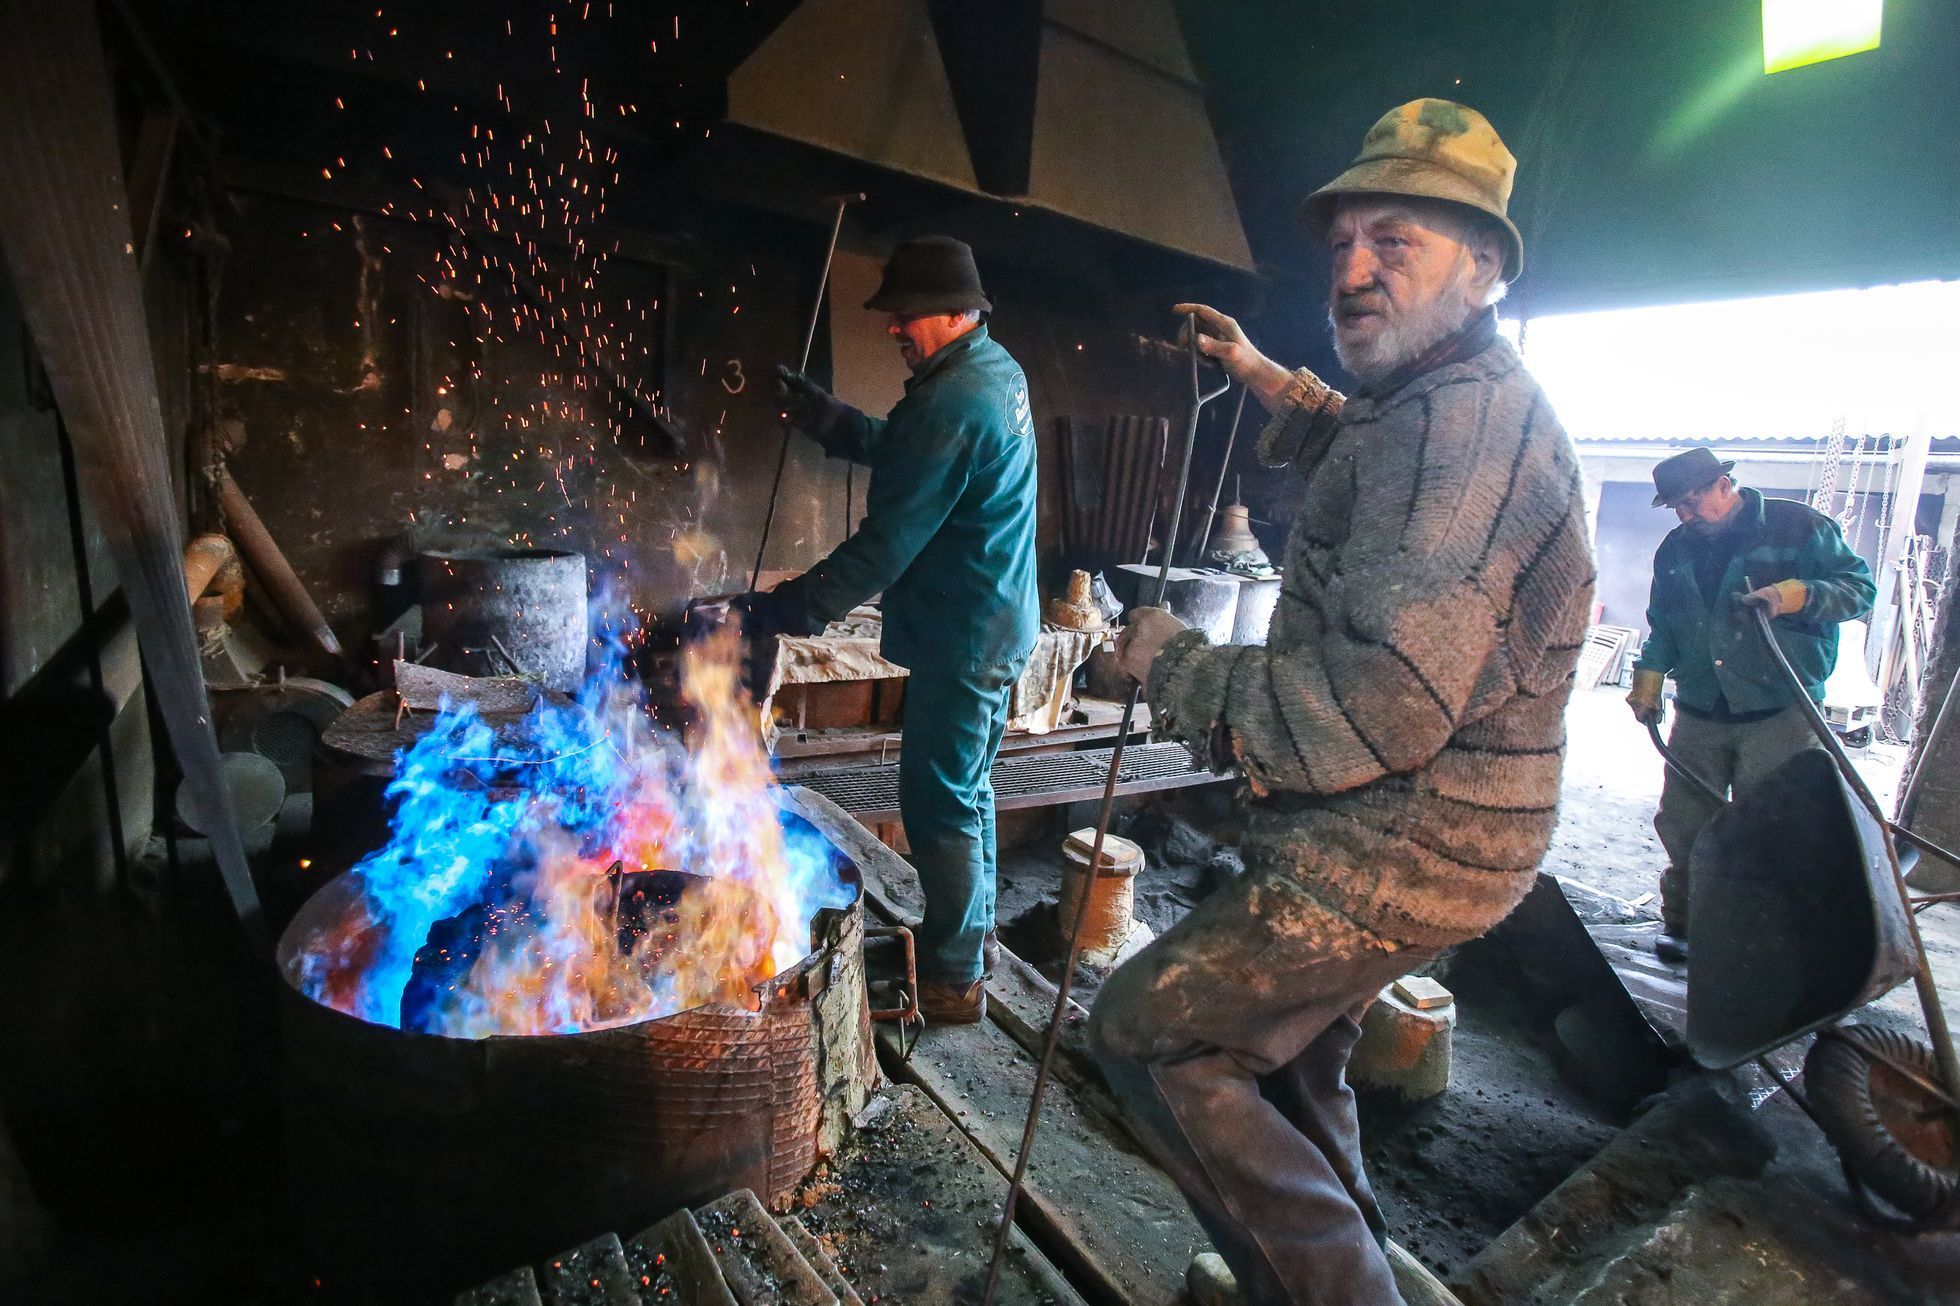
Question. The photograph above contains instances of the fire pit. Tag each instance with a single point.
(593, 977)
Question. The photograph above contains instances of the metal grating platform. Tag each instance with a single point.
(870, 793)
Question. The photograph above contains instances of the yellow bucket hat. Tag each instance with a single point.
(1430, 149)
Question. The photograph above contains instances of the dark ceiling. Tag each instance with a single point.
(1657, 162)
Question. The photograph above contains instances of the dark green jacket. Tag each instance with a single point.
(1714, 649)
(948, 532)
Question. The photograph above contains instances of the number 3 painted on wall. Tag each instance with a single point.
(735, 382)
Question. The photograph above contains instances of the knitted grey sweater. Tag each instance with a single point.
(1403, 728)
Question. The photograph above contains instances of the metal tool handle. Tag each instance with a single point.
(802, 365)
(1199, 398)
(1196, 551)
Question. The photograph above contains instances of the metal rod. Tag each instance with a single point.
(1922, 978)
(1195, 552)
(1199, 398)
(802, 365)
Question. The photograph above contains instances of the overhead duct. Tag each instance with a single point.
(1078, 111)
(992, 54)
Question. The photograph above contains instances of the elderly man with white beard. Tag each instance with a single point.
(1400, 734)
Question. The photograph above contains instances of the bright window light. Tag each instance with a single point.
(1740, 369)
(1800, 32)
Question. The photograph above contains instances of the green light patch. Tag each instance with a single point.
(1800, 32)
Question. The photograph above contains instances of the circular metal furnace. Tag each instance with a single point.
(425, 1160)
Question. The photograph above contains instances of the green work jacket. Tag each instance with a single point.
(948, 531)
(1714, 649)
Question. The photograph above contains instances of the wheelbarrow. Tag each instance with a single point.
(1800, 916)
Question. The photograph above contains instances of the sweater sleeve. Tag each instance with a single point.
(1838, 585)
(1395, 635)
(1306, 421)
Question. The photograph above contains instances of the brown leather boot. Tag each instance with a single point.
(989, 954)
(953, 1004)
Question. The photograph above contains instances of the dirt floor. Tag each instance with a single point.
(1454, 1172)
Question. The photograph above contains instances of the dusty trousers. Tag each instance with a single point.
(954, 722)
(1227, 1042)
(1729, 755)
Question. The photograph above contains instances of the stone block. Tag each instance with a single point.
(1405, 1048)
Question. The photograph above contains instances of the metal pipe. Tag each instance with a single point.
(802, 365)
(1929, 994)
(262, 553)
(1195, 553)
(1199, 398)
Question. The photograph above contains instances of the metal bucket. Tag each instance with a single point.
(501, 612)
(1796, 918)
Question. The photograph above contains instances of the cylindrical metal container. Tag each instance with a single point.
(500, 612)
(1112, 892)
(431, 1162)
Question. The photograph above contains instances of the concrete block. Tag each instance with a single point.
(1403, 1047)
(518, 1288)
(761, 1264)
(591, 1274)
(672, 1262)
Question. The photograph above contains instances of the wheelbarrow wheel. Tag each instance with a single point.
(1885, 1127)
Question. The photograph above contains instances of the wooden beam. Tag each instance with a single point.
(67, 236)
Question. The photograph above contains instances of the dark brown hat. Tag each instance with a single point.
(1689, 470)
(933, 274)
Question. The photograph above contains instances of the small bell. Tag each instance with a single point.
(1233, 545)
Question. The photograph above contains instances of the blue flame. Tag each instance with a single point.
(507, 842)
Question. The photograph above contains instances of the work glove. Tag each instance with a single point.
(809, 407)
(1137, 647)
(1645, 700)
(766, 617)
(1783, 599)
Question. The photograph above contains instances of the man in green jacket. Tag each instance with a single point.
(949, 538)
(1737, 718)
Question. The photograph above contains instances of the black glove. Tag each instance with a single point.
(811, 409)
(766, 618)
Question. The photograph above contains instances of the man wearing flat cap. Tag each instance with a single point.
(948, 538)
(1736, 719)
(1401, 732)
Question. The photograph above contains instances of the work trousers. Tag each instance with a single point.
(954, 722)
(1730, 756)
(1227, 1042)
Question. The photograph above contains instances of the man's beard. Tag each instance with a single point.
(1406, 334)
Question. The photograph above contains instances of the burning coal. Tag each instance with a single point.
(578, 868)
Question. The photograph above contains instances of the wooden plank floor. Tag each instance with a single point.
(1109, 1218)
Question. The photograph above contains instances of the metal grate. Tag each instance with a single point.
(871, 792)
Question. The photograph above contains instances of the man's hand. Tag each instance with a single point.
(809, 407)
(766, 618)
(1222, 338)
(1142, 640)
(1645, 700)
(1783, 599)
